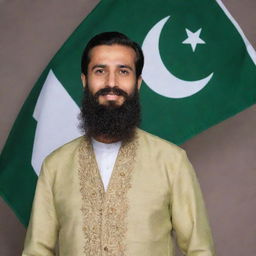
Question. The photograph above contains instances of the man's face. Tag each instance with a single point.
(111, 67)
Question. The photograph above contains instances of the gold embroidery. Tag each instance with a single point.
(92, 197)
(105, 213)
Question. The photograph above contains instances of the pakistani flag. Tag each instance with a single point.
(199, 70)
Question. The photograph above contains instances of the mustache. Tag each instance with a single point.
(113, 90)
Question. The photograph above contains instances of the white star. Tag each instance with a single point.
(193, 38)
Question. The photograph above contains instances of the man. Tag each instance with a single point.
(118, 190)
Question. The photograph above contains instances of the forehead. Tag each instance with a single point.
(119, 54)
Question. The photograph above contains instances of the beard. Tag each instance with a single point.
(110, 121)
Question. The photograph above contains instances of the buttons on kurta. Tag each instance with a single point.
(105, 249)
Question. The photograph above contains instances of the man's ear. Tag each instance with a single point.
(139, 81)
(83, 78)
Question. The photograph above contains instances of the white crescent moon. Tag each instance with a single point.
(158, 77)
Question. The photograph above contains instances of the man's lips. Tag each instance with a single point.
(111, 96)
(111, 92)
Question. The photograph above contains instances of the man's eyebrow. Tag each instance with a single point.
(98, 66)
(120, 66)
(126, 66)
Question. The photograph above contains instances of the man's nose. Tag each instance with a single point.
(112, 79)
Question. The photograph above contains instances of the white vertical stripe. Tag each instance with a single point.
(56, 115)
(249, 47)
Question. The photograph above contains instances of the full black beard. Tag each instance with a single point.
(110, 121)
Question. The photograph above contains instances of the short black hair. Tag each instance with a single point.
(111, 38)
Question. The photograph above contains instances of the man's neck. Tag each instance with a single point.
(104, 139)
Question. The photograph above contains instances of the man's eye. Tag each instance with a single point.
(124, 72)
(99, 71)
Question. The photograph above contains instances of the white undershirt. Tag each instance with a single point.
(106, 155)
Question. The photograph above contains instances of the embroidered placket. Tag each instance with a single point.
(105, 213)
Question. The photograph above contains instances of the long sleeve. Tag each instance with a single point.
(188, 213)
(42, 231)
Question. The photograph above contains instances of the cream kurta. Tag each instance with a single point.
(153, 189)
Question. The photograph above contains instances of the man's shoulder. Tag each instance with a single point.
(65, 151)
(154, 141)
(154, 148)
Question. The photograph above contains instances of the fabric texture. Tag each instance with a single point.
(153, 190)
